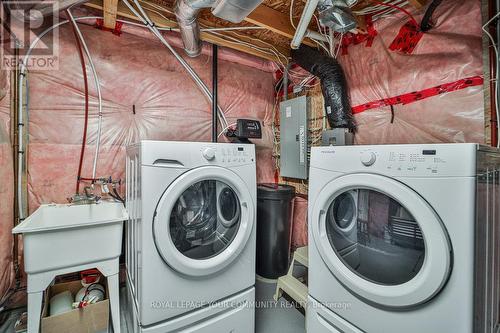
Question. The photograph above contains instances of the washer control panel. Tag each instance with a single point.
(228, 154)
(368, 158)
(208, 153)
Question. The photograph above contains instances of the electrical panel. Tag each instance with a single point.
(293, 138)
(337, 137)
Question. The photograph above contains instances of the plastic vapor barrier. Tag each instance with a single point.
(449, 52)
(6, 186)
(146, 94)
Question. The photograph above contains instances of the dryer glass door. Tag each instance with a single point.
(203, 220)
(381, 240)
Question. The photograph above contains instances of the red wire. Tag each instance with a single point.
(84, 139)
(83, 179)
(396, 7)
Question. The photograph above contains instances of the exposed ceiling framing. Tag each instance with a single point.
(109, 9)
(269, 41)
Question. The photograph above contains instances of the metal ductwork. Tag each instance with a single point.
(337, 15)
(332, 13)
(187, 11)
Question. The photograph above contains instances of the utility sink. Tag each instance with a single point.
(57, 236)
(60, 239)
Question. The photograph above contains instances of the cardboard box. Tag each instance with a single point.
(90, 319)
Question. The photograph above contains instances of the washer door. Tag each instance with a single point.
(402, 256)
(203, 221)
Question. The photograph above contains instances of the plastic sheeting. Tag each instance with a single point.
(299, 227)
(451, 51)
(6, 186)
(146, 95)
(139, 75)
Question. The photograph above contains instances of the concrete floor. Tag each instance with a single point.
(277, 317)
(270, 316)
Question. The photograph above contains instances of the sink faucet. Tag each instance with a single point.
(87, 198)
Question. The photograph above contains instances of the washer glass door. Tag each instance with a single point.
(381, 240)
(205, 219)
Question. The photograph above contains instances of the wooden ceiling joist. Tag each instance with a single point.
(275, 21)
(110, 8)
(161, 21)
(418, 3)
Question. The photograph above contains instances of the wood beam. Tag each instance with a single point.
(275, 21)
(160, 21)
(110, 8)
(418, 3)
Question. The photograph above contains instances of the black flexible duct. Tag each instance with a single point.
(426, 24)
(333, 84)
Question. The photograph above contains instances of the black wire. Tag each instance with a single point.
(118, 197)
(392, 114)
(426, 24)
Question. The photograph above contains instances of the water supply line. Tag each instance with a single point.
(22, 78)
(86, 116)
(98, 88)
(150, 25)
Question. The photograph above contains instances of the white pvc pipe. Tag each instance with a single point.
(305, 19)
(20, 149)
(316, 35)
(99, 95)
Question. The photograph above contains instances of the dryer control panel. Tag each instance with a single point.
(187, 155)
(435, 160)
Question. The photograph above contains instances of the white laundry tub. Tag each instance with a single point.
(57, 236)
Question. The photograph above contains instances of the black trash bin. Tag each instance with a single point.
(274, 219)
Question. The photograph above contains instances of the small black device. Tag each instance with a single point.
(245, 129)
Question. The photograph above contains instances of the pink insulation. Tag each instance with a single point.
(139, 74)
(136, 73)
(449, 52)
(299, 224)
(6, 186)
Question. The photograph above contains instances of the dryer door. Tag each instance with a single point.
(203, 220)
(399, 254)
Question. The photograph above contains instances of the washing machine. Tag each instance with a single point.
(190, 249)
(427, 233)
